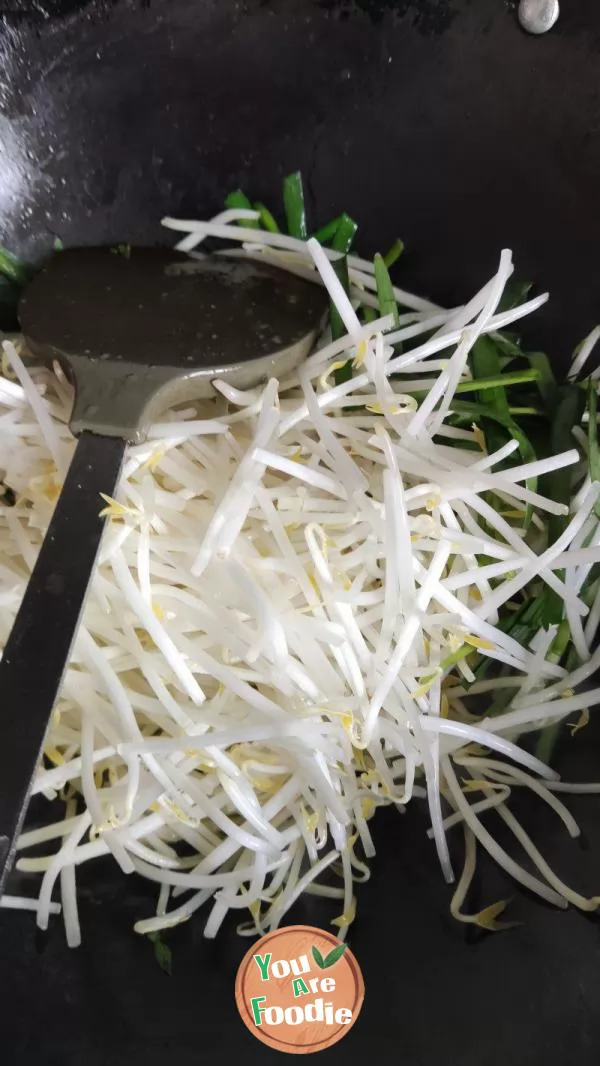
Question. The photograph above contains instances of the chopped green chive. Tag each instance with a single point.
(293, 201)
(328, 231)
(385, 290)
(12, 268)
(344, 234)
(394, 253)
(266, 218)
(239, 201)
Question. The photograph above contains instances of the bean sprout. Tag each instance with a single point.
(289, 617)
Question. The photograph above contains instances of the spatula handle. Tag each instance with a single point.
(37, 651)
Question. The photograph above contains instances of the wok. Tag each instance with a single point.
(435, 120)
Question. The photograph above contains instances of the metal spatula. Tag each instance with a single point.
(135, 334)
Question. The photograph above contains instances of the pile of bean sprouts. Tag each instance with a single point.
(285, 571)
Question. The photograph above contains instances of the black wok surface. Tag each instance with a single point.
(435, 120)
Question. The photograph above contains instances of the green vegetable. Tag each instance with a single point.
(328, 231)
(507, 343)
(515, 293)
(457, 656)
(162, 953)
(519, 377)
(547, 742)
(12, 268)
(485, 364)
(549, 736)
(501, 702)
(266, 218)
(513, 394)
(394, 253)
(238, 199)
(473, 411)
(451, 660)
(385, 290)
(557, 485)
(122, 249)
(593, 448)
(521, 625)
(546, 382)
(344, 234)
(293, 201)
(527, 411)
(560, 643)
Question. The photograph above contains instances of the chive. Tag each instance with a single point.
(293, 200)
(500, 703)
(507, 343)
(238, 199)
(338, 328)
(369, 314)
(593, 448)
(547, 741)
(546, 382)
(546, 744)
(466, 409)
(521, 626)
(58, 244)
(591, 585)
(560, 643)
(11, 268)
(568, 413)
(518, 378)
(394, 253)
(450, 661)
(328, 231)
(473, 411)
(162, 953)
(343, 373)
(385, 290)
(515, 293)
(266, 218)
(485, 363)
(344, 234)
(527, 411)
(457, 656)
(123, 250)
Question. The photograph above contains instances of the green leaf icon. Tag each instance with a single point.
(332, 958)
(316, 954)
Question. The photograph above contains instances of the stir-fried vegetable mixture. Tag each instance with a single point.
(366, 583)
